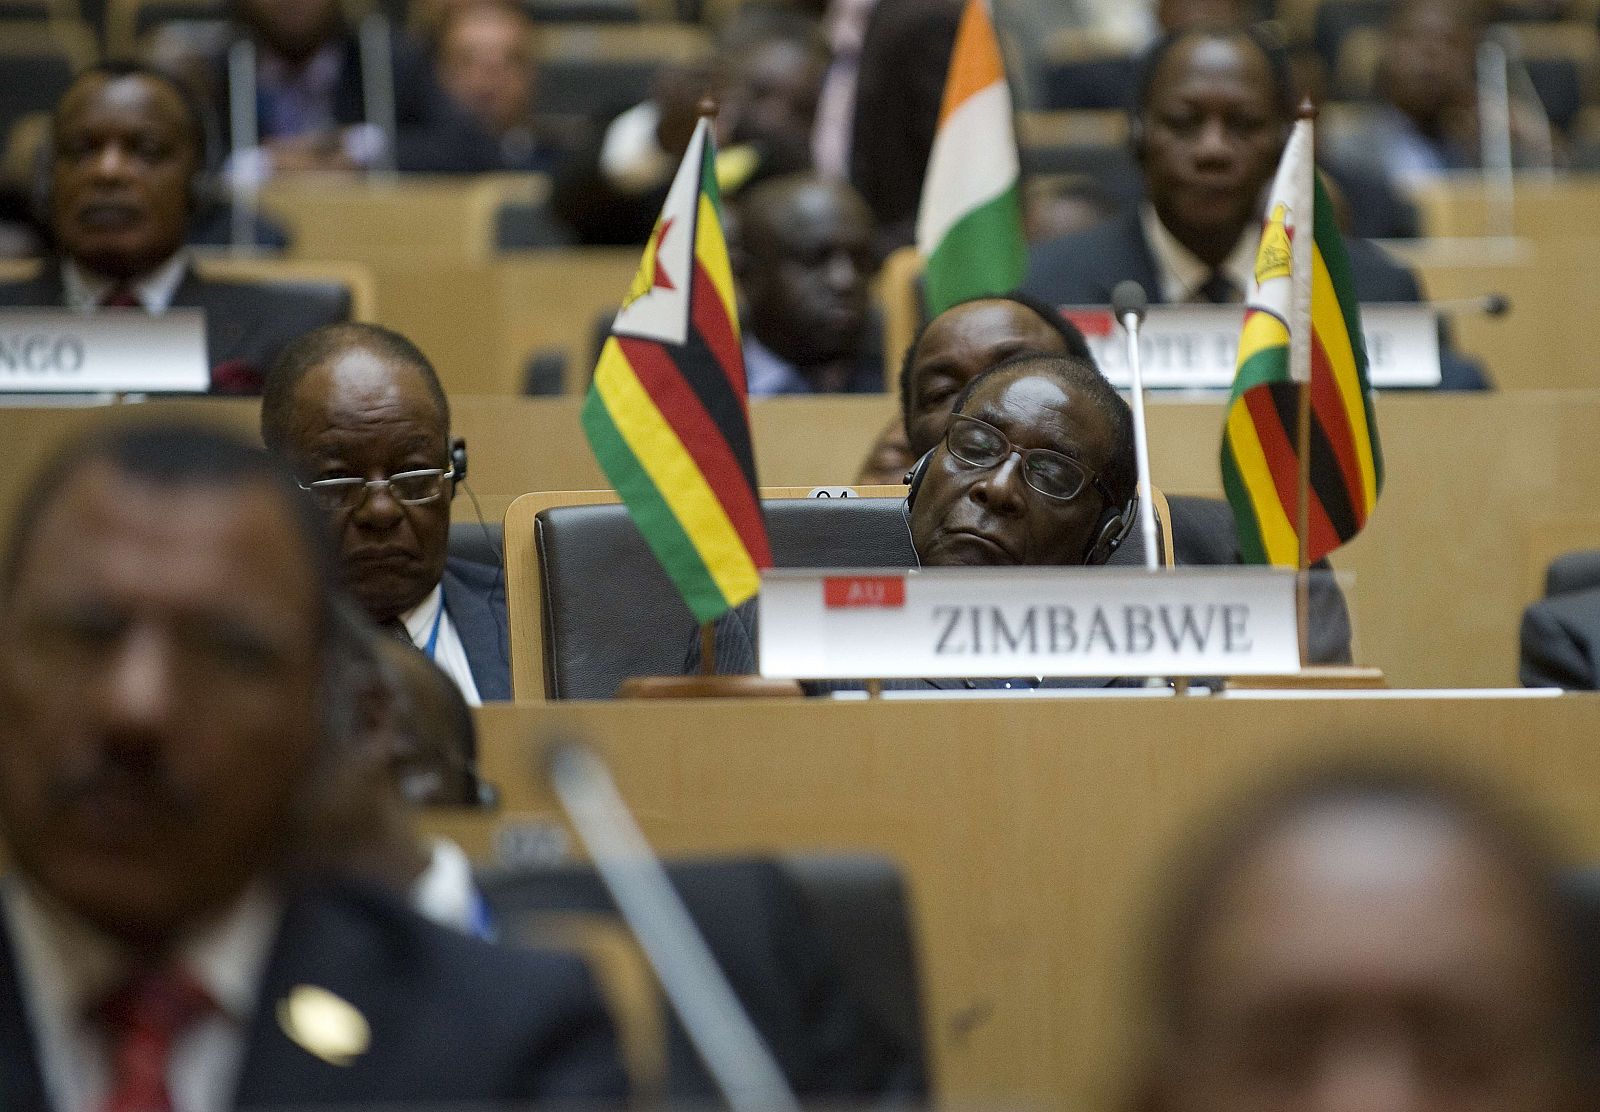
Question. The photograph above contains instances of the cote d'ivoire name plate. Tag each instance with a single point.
(1197, 346)
(946, 623)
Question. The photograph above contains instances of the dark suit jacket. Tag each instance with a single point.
(247, 323)
(453, 1020)
(905, 56)
(475, 599)
(1561, 642)
(1083, 269)
(433, 135)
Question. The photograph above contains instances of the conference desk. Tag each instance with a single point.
(1033, 832)
(1481, 492)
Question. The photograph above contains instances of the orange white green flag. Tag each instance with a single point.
(1302, 327)
(667, 414)
(969, 223)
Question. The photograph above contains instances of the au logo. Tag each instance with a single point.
(324, 1024)
(1276, 258)
(651, 274)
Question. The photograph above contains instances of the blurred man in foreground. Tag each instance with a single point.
(1367, 940)
(127, 152)
(359, 413)
(168, 715)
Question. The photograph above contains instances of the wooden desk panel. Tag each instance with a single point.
(1033, 833)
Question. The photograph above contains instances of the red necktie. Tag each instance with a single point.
(142, 1020)
(122, 297)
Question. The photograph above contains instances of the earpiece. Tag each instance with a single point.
(914, 477)
(1112, 529)
(458, 460)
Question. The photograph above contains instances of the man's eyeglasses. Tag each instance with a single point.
(979, 444)
(409, 488)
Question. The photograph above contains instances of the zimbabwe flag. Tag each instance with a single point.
(666, 413)
(1302, 325)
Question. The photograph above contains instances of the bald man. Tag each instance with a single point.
(803, 262)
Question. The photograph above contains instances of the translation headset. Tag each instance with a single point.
(1109, 532)
(458, 462)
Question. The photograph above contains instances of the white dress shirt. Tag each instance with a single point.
(448, 652)
(1182, 274)
(66, 968)
(155, 291)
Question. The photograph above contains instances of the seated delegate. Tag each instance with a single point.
(127, 154)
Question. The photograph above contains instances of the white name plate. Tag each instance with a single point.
(125, 351)
(950, 623)
(1197, 346)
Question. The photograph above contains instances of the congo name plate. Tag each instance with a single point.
(1197, 346)
(45, 351)
(950, 623)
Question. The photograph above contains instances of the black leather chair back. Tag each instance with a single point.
(818, 948)
(610, 612)
(1573, 571)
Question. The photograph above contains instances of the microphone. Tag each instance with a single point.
(243, 135)
(1495, 146)
(1130, 300)
(1485, 304)
(727, 1042)
(377, 84)
(1130, 304)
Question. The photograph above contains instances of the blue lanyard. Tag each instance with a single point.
(433, 638)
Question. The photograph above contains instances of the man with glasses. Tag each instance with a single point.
(1035, 468)
(359, 412)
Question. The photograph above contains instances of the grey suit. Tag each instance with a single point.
(247, 323)
(1083, 269)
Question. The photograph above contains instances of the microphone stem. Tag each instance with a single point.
(1141, 445)
(715, 1021)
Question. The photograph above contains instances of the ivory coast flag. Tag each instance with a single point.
(969, 224)
(1302, 325)
(666, 413)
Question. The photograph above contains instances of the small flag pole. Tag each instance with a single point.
(1304, 248)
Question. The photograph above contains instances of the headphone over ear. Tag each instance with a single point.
(1111, 530)
(914, 477)
(458, 461)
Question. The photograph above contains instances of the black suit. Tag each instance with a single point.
(247, 323)
(433, 135)
(475, 599)
(905, 57)
(453, 1020)
(1083, 269)
(1561, 642)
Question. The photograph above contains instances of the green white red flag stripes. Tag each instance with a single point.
(969, 224)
